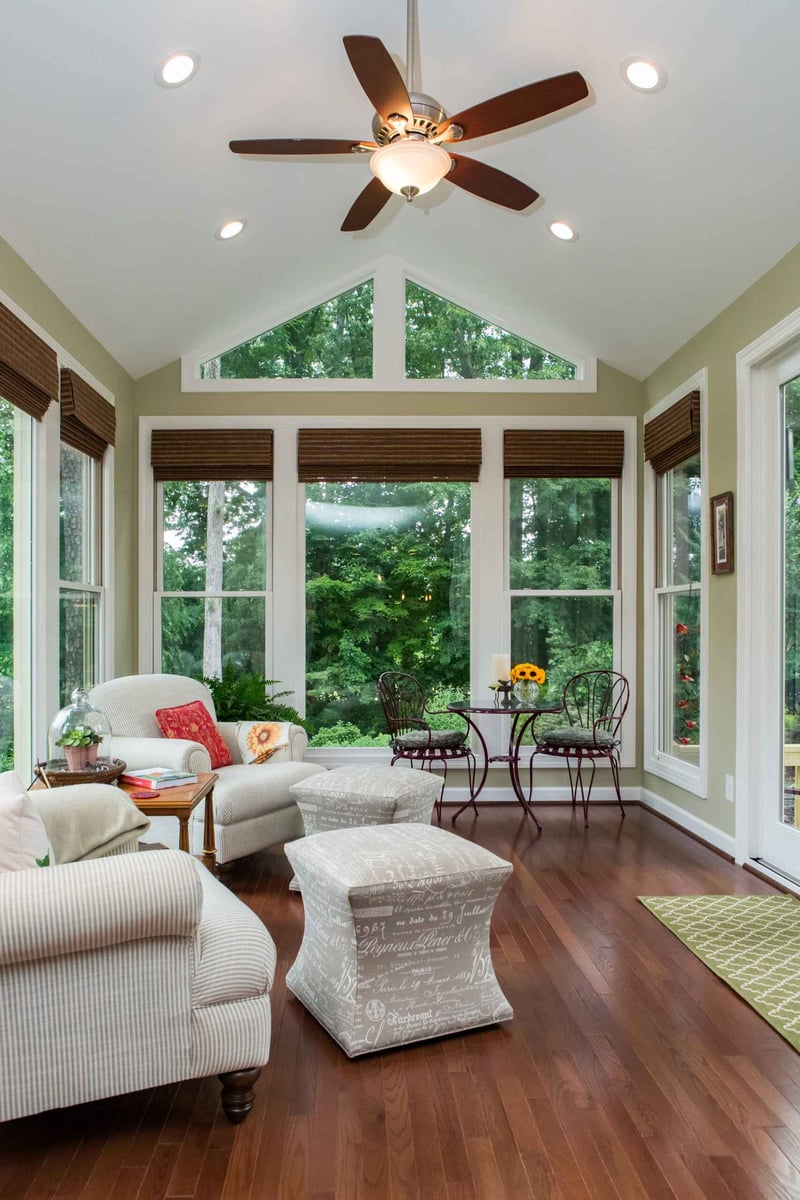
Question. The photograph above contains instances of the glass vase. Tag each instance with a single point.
(526, 691)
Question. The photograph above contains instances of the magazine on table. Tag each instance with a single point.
(158, 778)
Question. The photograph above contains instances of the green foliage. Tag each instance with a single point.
(331, 341)
(247, 697)
(387, 588)
(80, 735)
(44, 862)
(345, 733)
(445, 341)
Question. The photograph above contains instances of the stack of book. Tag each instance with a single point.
(158, 778)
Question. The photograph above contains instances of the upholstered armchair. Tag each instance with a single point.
(253, 807)
(124, 973)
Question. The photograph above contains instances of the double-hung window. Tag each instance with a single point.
(29, 383)
(675, 735)
(88, 426)
(212, 570)
(563, 564)
(80, 593)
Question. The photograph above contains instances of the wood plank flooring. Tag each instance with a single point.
(629, 1070)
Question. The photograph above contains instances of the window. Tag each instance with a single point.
(445, 341)
(387, 588)
(331, 341)
(562, 575)
(80, 571)
(393, 331)
(16, 430)
(211, 592)
(678, 592)
(674, 593)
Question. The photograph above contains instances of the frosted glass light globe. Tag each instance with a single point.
(410, 166)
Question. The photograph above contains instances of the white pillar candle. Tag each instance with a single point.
(501, 667)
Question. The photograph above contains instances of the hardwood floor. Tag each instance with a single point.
(629, 1070)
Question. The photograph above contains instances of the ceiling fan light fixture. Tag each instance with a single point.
(177, 68)
(643, 74)
(562, 231)
(410, 166)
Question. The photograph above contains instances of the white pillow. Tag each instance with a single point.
(259, 740)
(23, 837)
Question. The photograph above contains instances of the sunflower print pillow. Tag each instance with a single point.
(258, 740)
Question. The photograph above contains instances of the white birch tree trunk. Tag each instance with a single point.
(215, 530)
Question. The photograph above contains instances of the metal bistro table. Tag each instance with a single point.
(522, 717)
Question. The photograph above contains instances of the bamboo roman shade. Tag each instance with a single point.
(674, 435)
(28, 366)
(88, 421)
(213, 454)
(388, 455)
(563, 453)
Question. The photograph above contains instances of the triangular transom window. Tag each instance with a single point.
(331, 341)
(446, 341)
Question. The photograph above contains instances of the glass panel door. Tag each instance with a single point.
(789, 811)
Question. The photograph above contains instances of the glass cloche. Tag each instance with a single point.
(76, 732)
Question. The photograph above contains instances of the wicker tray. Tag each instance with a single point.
(108, 770)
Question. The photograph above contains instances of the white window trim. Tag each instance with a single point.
(45, 463)
(390, 274)
(691, 778)
(758, 565)
(490, 608)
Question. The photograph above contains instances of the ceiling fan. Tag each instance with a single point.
(411, 130)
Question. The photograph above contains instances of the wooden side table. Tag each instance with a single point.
(181, 802)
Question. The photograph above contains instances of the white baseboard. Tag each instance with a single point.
(545, 795)
(688, 821)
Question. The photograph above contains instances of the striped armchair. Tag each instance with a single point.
(126, 972)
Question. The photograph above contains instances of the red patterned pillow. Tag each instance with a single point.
(194, 723)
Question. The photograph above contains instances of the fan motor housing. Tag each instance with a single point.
(428, 115)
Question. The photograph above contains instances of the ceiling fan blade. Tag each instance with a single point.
(366, 206)
(298, 146)
(520, 105)
(489, 183)
(378, 76)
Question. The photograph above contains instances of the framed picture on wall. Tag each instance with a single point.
(722, 533)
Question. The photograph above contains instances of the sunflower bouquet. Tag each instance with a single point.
(528, 673)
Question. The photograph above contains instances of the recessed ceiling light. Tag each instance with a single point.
(643, 74)
(562, 230)
(177, 68)
(230, 229)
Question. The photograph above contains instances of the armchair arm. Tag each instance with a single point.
(52, 911)
(174, 753)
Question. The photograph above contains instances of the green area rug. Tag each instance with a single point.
(752, 942)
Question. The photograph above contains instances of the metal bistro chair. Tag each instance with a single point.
(594, 704)
(402, 699)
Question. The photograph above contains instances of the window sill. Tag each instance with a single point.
(682, 774)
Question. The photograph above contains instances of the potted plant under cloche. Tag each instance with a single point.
(80, 746)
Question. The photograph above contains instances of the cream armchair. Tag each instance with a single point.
(253, 807)
(125, 973)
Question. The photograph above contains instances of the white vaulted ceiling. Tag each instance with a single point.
(111, 187)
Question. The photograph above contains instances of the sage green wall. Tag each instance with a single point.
(26, 289)
(715, 347)
(159, 394)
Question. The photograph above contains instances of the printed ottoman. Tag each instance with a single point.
(348, 796)
(396, 941)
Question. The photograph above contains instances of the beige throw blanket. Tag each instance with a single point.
(88, 820)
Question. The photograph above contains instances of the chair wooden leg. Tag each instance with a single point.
(615, 775)
(238, 1093)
